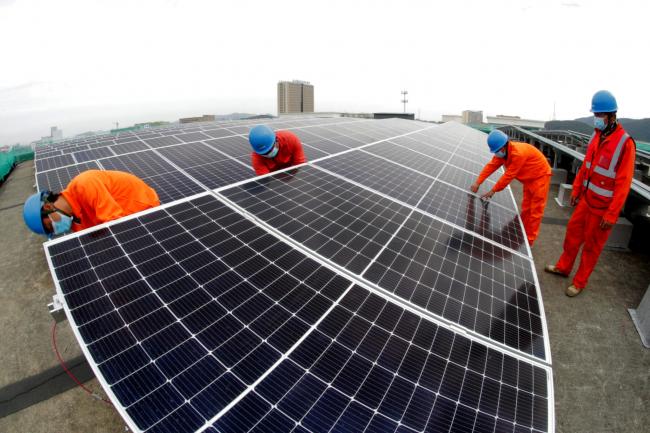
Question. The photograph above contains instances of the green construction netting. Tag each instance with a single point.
(7, 162)
(640, 145)
(23, 154)
(15, 156)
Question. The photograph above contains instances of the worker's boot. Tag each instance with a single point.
(572, 291)
(553, 270)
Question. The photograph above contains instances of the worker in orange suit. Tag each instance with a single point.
(529, 166)
(599, 192)
(274, 150)
(92, 197)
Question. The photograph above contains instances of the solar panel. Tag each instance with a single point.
(416, 161)
(213, 169)
(368, 291)
(126, 139)
(147, 135)
(180, 309)
(162, 141)
(46, 154)
(191, 310)
(484, 218)
(75, 148)
(340, 138)
(433, 149)
(238, 129)
(312, 153)
(464, 179)
(101, 143)
(405, 185)
(464, 279)
(373, 366)
(133, 146)
(56, 180)
(337, 219)
(233, 146)
(192, 136)
(93, 154)
(218, 133)
(54, 162)
(169, 182)
(322, 144)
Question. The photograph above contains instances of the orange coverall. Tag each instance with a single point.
(98, 196)
(289, 153)
(584, 225)
(529, 166)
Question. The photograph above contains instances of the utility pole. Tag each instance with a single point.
(404, 100)
(117, 125)
(554, 110)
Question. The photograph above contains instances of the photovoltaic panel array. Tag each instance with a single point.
(372, 366)
(368, 291)
(182, 143)
(428, 262)
(191, 310)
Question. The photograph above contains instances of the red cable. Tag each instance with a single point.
(65, 367)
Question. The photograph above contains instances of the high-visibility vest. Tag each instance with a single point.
(598, 183)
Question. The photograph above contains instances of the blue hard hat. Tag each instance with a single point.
(32, 212)
(262, 139)
(496, 140)
(603, 102)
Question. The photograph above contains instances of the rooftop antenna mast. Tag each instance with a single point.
(404, 100)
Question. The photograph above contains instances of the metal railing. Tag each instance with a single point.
(516, 132)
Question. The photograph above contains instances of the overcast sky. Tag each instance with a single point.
(86, 64)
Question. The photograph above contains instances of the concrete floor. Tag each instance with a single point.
(601, 370)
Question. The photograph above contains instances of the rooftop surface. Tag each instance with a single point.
(601, 370)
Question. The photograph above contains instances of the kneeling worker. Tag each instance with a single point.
(92, 197)
(529, 166)
(274, 150)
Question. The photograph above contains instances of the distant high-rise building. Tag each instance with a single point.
(295, 97)
(56, 133)
(472, 117)
(452, 118)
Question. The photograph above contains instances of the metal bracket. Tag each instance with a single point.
(56, 309)
(641, 318)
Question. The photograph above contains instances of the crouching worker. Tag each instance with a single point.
(274, 150)
(91, 198)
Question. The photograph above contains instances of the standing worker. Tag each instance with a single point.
(92, 197)
(274, 150)
(599, 191)
(529, 166)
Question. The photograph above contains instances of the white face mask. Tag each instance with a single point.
(500, 153)
(272, 153)
(599, 123)
(63, 225)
